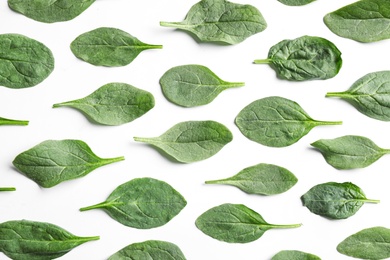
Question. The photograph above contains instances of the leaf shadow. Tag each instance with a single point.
(199, 41)
(162, 153)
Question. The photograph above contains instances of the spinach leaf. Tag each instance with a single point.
(369, 243)
(50, 11)
(54, 161)
(193, 85)
(350, 151)
(113, 104)
(221, 21)
(235, 223)
(304, 58)
(142, 203)
(7, 189)
(109, 47)
(265, 179)
(363, 21)
(24, 62)
(294, 255)
(276, 122)
(30, 240)
(6, 121)
(191, 141)
(370, 95)
(151, 249)
(335, 200)
(296, 2)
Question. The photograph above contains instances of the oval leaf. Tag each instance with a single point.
(221, 21)
(193, 85)
(304, 58)
(363, 21)
(52, 162)
(24, 62)
(235, 223)
(294, 255)
(370, 243)
(50, 11)
(369, 95)
(296, 2)
(142, 203)
(151, 249)
(24, 239)
(350, 151)
(276, 122)
(108, 47)
(113, 104)
(191, 141)
(335, 200)
(264, 179)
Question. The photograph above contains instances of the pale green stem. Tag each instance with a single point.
(14, 122)
(8, 189)
(142, 139)
(88, 238)
(264, 61)
(328, 122)
(285, 226)
(113, 160)
(178, 25)
(213, 182)
(338, 94)
(234, 84)
(371, 201)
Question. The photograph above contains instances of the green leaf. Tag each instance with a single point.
(264, 179)
(109, 47)
(294, 255)
(52, 162)
(296, 2)
(370, 243)
(29, 240)
(235, 223)
(142, 203)
(193, 85)
(276, 122)
(370, 95)
(113, 104)
(191, 141)
(24, 62)
(221, 21)
(304, 58)
(151, 249)
(7, 189)
(6, 121)
(50, 11)
(350, 151)
(363, 21)
(335, 200)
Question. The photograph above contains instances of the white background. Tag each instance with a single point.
(73, 78)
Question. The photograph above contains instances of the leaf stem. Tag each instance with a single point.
(213, 182)
(371, 201)
(234, 84)
(88, 238)
(338, 94)
(328, 122)
(113, 160)
(178, 25)
(263, 61)
(285, 226)
(151, 46)
(104, 204)
(141, 139)
(8, 189)
(13, 122)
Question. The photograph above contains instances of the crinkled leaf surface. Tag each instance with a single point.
(191, 141)
(296, 2)
(30, 240)
(54, 161)
(50, 11)
(350, 151)
(142, 203)
(264, 179)
(294, 255)
(193, 85)
(151, 249)
(221, 21)
(113, 104)
(276, 122)
(109, 47)
(335, 200)
(24, 62)
(304, 58)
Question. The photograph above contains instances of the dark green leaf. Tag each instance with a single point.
(265, 179)
(304, 58)
(50, 11)
(276, 122)
(296, 2)
(193, 85)
(52, 162)
(370, 95)
(29, 240)
(363, 21)
(335, 200)
(6, 121)
(235, 223)
(221, 21)
(294, 255)
(142, 203)
(371, 243)
(114, 104)
(8, 189)
(108, 47)
(24, 62)
(151, 249)
(350, 151)
(192, 140)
